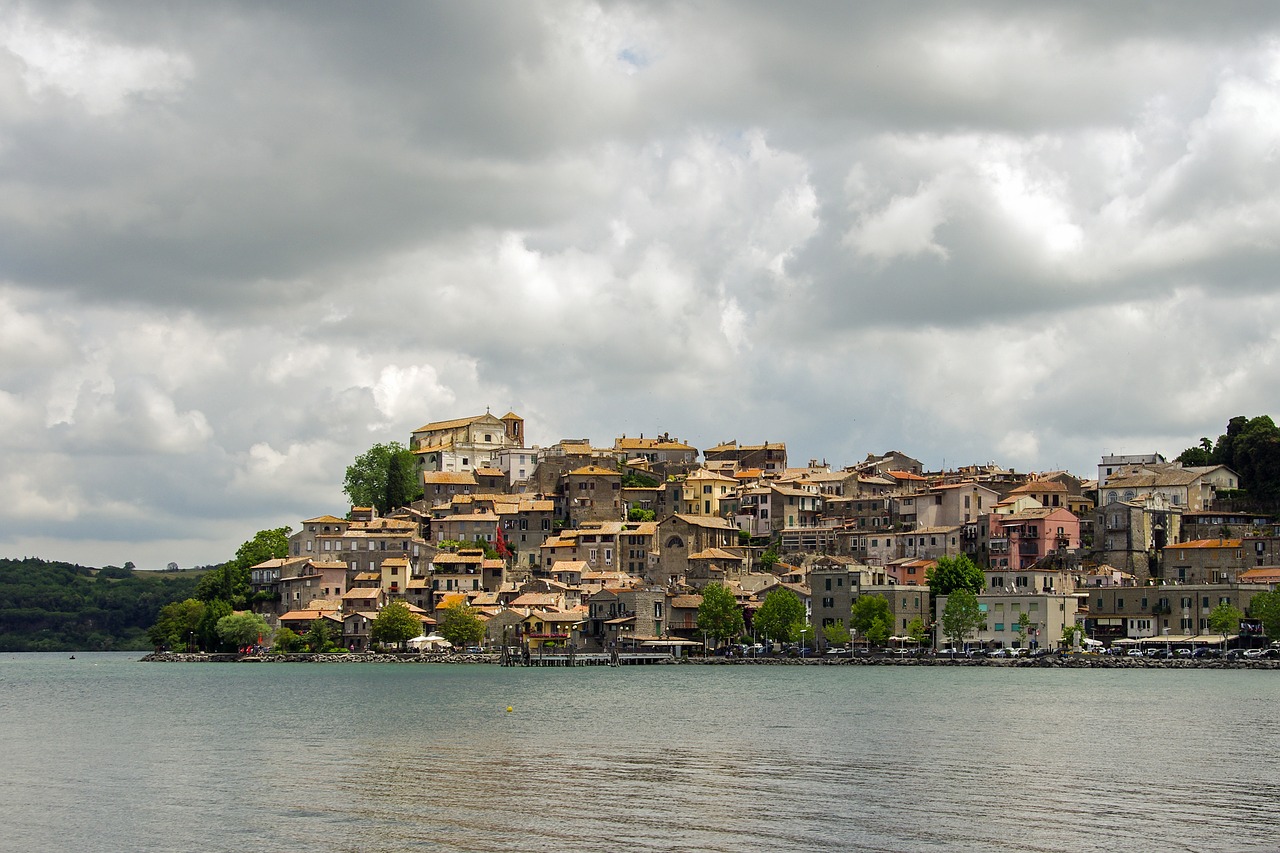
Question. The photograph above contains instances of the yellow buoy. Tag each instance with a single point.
(510, 709)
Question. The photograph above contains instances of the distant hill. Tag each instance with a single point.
(50, 606)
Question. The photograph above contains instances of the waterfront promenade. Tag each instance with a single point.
(1052, 661)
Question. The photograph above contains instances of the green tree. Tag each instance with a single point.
(952, 573)
(242, 629)
(916, 630)
(1265, 607)
(460, 625)
(878, 632)
(398, 486)
(635, 480)
(866, 610)
(320, 635)
(1194, 457)
(803, 633)
(837, 634)
(1069, 634)
(780, 611)
(1024, 624)
(230, 581)
(207, 631)
(395, 624)
(1251, 448)
(366, 481)
(286, 640)
(638, 514)
(176, 625)
(1225, 619)
(961, 617)
(719, 615)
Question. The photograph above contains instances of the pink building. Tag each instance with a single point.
(1029, 536)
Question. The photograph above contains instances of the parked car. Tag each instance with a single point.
(1134, 653)
(1253, 653)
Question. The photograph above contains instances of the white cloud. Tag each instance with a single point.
(240, 244)
(102, 75)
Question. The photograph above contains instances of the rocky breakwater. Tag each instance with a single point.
(1046, 662)
(307, 657)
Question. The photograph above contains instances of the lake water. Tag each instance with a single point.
(106, 753)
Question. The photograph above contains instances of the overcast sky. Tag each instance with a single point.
(241, 243)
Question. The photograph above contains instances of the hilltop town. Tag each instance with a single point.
(574, 545)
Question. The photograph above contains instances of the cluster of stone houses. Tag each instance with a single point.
(603, 546)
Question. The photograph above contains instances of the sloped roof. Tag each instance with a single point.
(1204, 543)
(452, 424)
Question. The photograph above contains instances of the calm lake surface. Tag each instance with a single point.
(106, 753)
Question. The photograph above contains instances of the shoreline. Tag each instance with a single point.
(1047, 662)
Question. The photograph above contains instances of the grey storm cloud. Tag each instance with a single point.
(240, 243)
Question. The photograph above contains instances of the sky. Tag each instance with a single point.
(240, 243)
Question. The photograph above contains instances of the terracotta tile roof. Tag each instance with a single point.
(307, 615)
(705, 521)
(1205, 543)
(325, 519)
(453, 424)
(594, 471)
(538, 599)
(457, 478)
(649, 444)
(715, 554)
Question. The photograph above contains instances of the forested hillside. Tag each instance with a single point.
(51, 606)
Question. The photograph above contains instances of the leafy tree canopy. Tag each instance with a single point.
(385, 476)
(780, 611)
(1225, 619)
(460, 625)
(55, 606)
(395, 624)
(877, 632)
(719, 615)
(176, 624)
(866, 610)
(961, 618)
(1265, 606)
(286, 640)
(636, 480)
(916, 630)
(836, 634)
(1251, 448)
(638, 514)
(207, 636)
(242, 629)
(490, 553)
(230, 581)
(954, 573)
(320, 635)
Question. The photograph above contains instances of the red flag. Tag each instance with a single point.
(503, 550)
